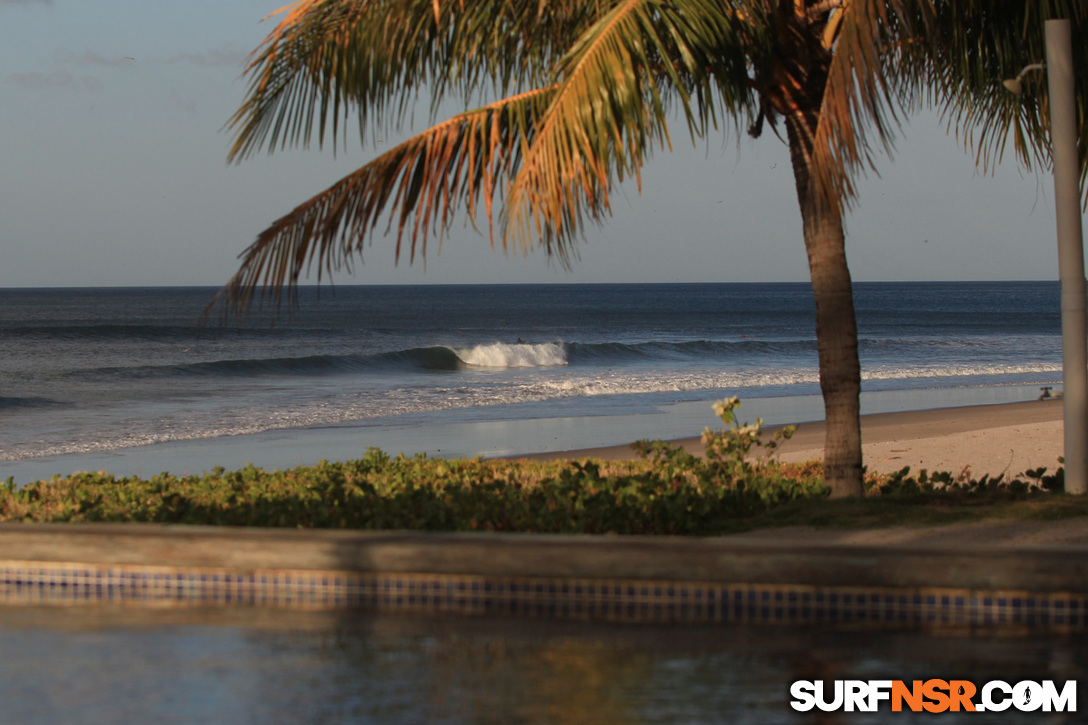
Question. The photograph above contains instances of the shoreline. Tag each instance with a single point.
(987, 439)
(988, 430)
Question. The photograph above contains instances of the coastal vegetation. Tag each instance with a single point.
(736, 485)
(587, 497)
(586, 90)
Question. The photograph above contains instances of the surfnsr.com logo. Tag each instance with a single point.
(934, 696)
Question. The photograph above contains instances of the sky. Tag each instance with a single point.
(113, 172)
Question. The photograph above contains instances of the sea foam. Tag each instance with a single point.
(519, 355)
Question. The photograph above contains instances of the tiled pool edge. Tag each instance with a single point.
(52, 583)
(629, 579)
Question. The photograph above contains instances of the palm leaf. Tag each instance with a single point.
(328, 59)
(611, 110)
(974, 46)
(423, 183)
(866, 91)
(896, 55)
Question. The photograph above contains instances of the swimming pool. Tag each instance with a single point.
(114, 663)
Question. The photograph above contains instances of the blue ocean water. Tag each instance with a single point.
(93, 371)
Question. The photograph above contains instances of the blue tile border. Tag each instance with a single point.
(51, 583)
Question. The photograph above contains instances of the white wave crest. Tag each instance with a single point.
(950, 371)
(520, 355)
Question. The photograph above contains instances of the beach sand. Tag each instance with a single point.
(994, 439)
(987, 439)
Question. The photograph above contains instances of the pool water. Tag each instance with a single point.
(113, 664)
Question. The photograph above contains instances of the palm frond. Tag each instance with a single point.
(974, 46)
(329, 59)
(609, 112)
(423, 183)
(865, 92)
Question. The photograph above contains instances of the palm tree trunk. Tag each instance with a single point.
(836, 326)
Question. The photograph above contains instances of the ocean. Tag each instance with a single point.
(132, 381)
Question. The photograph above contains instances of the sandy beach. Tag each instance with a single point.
(986, 439)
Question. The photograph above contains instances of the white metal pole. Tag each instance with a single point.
(1063, 140)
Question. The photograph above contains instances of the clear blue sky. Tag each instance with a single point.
(113, 172)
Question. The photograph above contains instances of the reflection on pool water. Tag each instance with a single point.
(125, 665)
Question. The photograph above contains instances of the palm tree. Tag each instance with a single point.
(585, 89)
